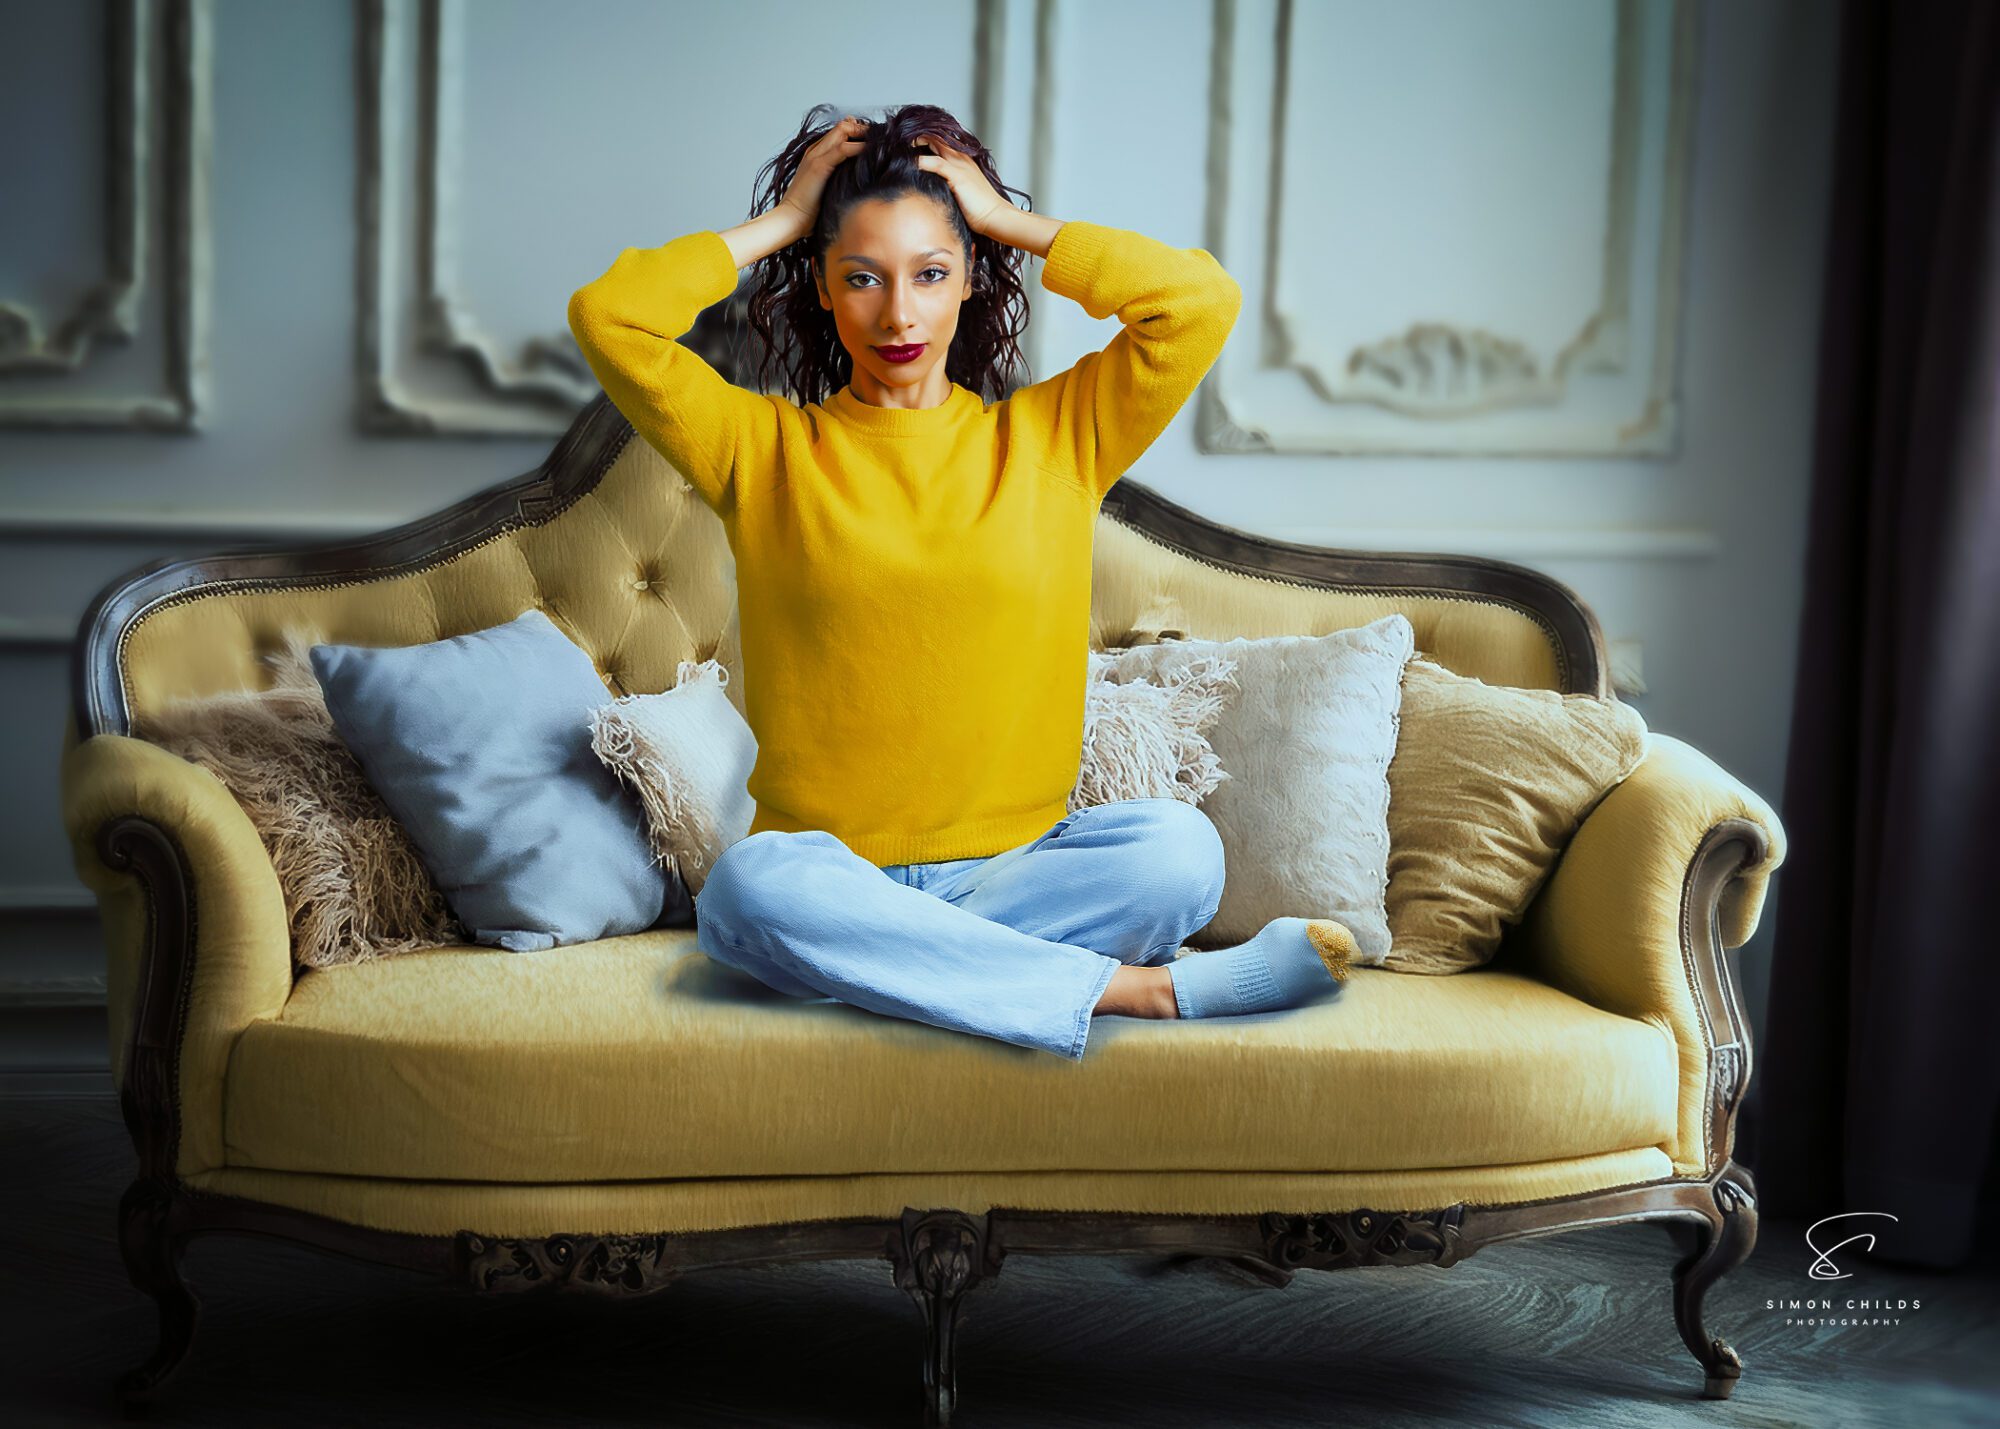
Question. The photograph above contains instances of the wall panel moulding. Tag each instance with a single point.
(86, 358)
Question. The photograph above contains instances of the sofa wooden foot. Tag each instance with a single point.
(1722, 1245)
(939, 1257)
(152, 1255)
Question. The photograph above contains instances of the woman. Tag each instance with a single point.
(913, 584)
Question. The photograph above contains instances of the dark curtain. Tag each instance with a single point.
(1875, 1084)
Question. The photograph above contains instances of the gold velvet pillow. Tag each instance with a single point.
(1488, 784)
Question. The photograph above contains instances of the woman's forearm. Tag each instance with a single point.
(763, 235)
(1031, 231)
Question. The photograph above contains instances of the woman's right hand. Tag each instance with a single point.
(834, 148)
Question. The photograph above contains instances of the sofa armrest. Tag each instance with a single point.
(198, 940)
(1666, 872)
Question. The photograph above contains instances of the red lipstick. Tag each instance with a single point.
(901, 354)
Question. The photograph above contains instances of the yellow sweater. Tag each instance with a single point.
(913, 587)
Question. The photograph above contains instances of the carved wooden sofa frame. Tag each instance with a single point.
(936, 1253)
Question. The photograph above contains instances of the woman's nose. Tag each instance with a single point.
(896, 309)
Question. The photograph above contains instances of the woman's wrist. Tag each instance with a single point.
(763, 235)
(1033, 232)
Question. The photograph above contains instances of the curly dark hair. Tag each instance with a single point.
(797, 337)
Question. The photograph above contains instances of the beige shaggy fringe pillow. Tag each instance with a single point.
(1487, 787)
(354, 887)
(687, 753)
(1147, 741)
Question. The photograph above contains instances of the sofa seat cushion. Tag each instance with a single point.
(639, 1057)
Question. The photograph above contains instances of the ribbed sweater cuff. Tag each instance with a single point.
(713, 265)
(1075, 254)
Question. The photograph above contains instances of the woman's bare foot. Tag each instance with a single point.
(1138, 992)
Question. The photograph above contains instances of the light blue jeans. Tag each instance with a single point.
(1017, 946)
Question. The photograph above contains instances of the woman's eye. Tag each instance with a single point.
(855, 279)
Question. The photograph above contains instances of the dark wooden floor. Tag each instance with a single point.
(1569, 1330)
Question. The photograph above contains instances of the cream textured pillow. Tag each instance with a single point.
(1304, 818)
(1488, 785)
(1146, 741)
(688, 754)
(354, 886)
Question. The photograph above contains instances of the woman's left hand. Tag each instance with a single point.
(977, 199)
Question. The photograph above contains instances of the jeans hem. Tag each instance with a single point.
(1083, 1019)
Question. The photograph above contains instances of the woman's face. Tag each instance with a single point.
(895, 277)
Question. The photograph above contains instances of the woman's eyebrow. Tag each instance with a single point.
(855, 258)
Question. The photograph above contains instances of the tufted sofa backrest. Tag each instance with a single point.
(614, 545)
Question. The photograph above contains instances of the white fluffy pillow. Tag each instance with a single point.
(1143, 740)
(687, 753)
(1305, 818)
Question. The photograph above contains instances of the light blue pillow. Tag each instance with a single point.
(480, 746)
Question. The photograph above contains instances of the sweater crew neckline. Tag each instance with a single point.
(904, 421)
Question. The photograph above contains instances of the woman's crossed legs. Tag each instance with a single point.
(1019, 946)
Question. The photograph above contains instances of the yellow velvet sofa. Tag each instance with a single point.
(609, 1116)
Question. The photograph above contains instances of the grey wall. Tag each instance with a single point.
(1408, 164)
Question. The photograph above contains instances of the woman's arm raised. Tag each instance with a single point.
(628, 323)
(1178, 306)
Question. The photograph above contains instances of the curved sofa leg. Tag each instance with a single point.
(152, 1254)
(1687, 1240)
(939, 1257)
(1721, 1247)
